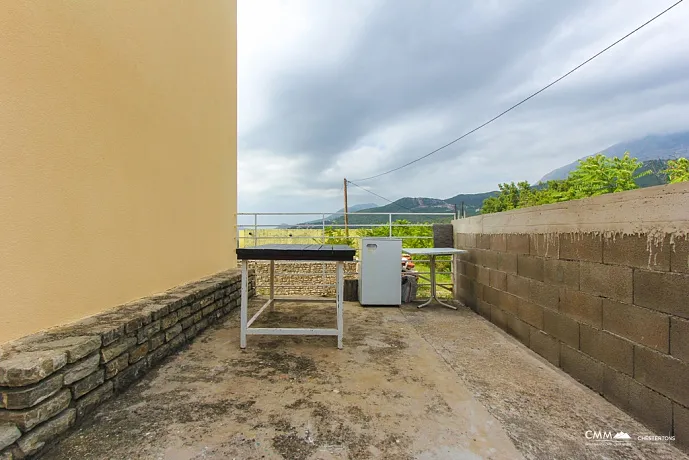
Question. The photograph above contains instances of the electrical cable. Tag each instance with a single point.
(525, 99)
(379, 196)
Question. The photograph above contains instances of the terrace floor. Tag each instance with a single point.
(424, 384)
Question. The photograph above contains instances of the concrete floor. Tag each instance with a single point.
(409, 384)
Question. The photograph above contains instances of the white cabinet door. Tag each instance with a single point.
(380, 274)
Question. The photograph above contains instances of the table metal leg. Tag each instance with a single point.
(272, 284)
(244, 304)
(434, 292)
(339, 296)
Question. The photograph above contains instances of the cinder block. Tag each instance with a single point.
(464, 297)
(498, 280)
(469, 256)
(581, 367)
(545, 295)
(668, 292)
(467, 269)
(518, 285)
(483, 241)
(610, 349)
(561, 272)
(467, 284)
(507, 262)
(544, 245)
(667, 375)
(498, 317)
(518, 329)
(483, 309)
(679, 338)
(498, 242)
(652, 409)
(616, 387)
(509, 303)
(637, 324)
(582, 307)
(637, 251)
(562, 327)
(479, 258)
(612, 281)
(681, 425)
(679, 255)
(530, 266)
(581, 246)
(483, 275)
(545, 345)
(530, 313)
(490, 259)
(518, 243)
(469, 240)
(491, 295)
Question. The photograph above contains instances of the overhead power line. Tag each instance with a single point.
(525, 99)
(379, 196)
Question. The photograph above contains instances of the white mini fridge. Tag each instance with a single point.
(380, 271)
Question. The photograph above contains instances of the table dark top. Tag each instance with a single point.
(320, 252)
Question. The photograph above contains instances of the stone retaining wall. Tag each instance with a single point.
(301, 285)
(50, 380)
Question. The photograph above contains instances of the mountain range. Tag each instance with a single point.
(653, 150)
(654, 147)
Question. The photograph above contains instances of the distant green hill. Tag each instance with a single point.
(472, 203)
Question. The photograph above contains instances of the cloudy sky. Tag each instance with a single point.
(350, 88)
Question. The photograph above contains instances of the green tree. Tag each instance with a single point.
(598, 175)
(677, 170)
(593, 176)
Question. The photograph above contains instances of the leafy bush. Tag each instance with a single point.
(678, 170)
(596, 175)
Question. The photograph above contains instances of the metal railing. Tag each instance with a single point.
(328, 228)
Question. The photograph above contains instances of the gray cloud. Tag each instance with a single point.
(457, 64)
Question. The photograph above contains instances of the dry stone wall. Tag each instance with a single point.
(51, 380)
(301, 278)
(610, 310)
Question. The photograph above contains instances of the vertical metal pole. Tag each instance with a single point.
(346, 210)
(390, 224)
(433, 293)
(323, 276)
(340, 305)
(245, 302)
(255, 229)
(272, 284)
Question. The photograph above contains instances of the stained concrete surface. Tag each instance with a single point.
(422, 384)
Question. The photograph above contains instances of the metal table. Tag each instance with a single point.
(432, 253)
(272, 252)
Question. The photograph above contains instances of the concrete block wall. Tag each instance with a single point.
(612, 311)
(49, 381)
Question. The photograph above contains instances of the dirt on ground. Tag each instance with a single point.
(409, 384)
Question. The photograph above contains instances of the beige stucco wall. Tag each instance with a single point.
(117, 153)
